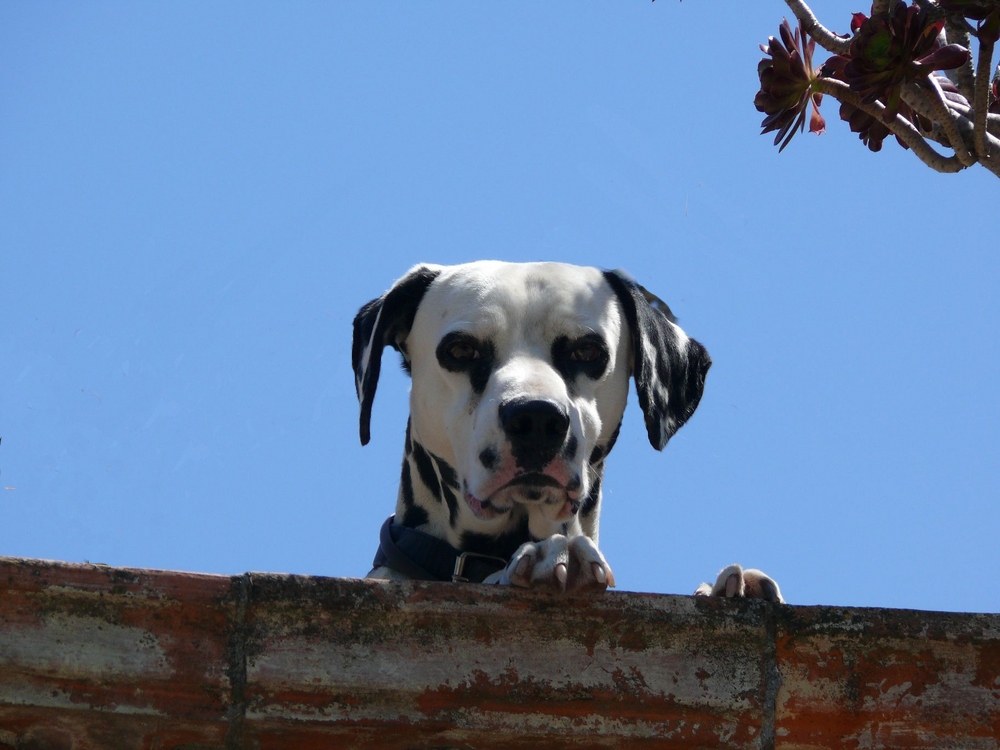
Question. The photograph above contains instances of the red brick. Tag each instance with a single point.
(95, 657)
(860, 678)
(96, 653)
(384, 663)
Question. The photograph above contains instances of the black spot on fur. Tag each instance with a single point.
(414, 515)
(429, 467)
(479, 376)
(489, 458)
(592, 497)
(476, 359)
(448, 475)
(600, 451)
(452, 501)
(406, 485)
(503, 545)
(426, 470)
(569, 452)
(408, 448)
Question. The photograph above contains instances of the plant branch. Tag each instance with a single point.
(899, 125)
(918, 99)
(823, 36)
(992, 120)
(981, 103)
(993, 162)
(946, 118)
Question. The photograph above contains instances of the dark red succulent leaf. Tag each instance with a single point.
(989, 27)
(786, 78)
(834, 67)
(994, 107)
(873, 131)
(817, 124)
(977, 10)
(949, 57)
(891, 49)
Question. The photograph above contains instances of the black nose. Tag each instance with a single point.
(536, 430)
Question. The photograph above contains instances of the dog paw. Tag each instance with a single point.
(564, 564)
(734, 581)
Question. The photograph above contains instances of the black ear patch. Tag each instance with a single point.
(384, 321)
(669, 368)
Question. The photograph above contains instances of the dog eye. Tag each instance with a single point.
(459, 351)
(587, 355)
(586, 351)
(463, 351)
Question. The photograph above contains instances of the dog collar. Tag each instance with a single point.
(424, 557)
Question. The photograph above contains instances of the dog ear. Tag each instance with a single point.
(385, 320)
(669, 368)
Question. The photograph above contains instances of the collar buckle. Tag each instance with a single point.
(457, 575)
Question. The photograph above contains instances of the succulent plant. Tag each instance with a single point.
(887, 78)
(786, 78)
(891, 49)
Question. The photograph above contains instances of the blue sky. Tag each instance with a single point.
(197, 198)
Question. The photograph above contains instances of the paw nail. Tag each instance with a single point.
(599, 573)
(733, 586)
(561, 573)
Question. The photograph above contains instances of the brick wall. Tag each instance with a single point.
(98, 657)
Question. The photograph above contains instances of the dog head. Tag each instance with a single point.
(520, 379)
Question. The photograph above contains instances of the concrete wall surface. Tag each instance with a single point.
(99, 657)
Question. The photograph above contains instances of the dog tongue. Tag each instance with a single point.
(474, 503)
(477, 506)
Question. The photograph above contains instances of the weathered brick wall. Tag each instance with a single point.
(97, 657)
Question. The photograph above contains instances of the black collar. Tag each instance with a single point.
(424, 557)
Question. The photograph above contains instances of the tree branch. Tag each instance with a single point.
(992, 120)
(981, 103)
(899, 126)
(917, 98)
(827, 39)
(945, 117)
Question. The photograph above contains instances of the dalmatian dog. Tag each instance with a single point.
(519, 382)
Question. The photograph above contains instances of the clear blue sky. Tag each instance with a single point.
(195, 199)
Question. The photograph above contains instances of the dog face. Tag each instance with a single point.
(519, 372)
(520, 379)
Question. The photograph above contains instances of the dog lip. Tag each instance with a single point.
(534, 479)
